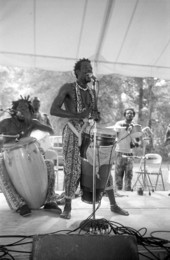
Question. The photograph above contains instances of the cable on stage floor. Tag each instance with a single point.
(6, 251)
(104, 227)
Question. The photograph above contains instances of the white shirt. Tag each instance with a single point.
(123, 138)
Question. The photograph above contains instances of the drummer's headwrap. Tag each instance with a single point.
(16, 103)
(22, 110)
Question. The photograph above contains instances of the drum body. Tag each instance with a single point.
(103, 142)
(27, 170)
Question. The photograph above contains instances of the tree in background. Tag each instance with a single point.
(149, 97)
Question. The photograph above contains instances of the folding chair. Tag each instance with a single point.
(150, 165)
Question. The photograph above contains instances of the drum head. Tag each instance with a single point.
(100, 131)
(22, 142)
(136, 135)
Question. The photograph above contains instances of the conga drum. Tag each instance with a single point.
(27, 170)
(105, 141)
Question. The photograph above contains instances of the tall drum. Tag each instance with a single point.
(27, 170)
(105, 141)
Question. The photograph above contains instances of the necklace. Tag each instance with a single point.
(84, 89)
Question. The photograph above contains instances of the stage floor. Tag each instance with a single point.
(148, 211)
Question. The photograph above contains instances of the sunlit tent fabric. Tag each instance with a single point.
(128, 37)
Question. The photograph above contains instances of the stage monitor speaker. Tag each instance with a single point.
(84, 247)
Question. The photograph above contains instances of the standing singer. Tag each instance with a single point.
(77, 102)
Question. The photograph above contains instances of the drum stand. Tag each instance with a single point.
(94, 225)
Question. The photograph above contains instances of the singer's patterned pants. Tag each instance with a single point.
(72, 164)
(15, 201)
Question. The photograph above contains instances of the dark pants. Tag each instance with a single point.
(123, 169)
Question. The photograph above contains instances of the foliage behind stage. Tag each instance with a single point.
(148, 96)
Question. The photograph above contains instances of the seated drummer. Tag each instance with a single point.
(20, 124)
(77, 102)
(124, 148)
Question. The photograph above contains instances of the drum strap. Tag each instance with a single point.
(78, 134)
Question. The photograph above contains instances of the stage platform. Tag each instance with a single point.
(147, 212)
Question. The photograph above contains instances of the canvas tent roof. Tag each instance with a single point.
(128, 37)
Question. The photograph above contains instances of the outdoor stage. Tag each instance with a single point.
(150, 212)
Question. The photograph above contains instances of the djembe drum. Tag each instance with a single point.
(27, 170)
(105, 140)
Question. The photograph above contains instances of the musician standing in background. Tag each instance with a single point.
(42, 117)
(21, 123)
(124, 148)
(77, 101)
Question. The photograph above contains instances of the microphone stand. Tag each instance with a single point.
(94, 169)
(94, 225)
(94, 161)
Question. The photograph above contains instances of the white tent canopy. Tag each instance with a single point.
(128, 37)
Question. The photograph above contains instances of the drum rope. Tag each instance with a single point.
(104, 155)
(110, 163)
(14, 136)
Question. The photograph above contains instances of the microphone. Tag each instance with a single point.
(90, 75)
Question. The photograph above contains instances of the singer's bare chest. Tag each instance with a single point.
(85, 98)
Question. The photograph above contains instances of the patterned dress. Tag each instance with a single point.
(71, 149)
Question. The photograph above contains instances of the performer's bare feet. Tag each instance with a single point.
(24, 211)
(53, 207)
(67, 210)
(66, 214)
(116, 209)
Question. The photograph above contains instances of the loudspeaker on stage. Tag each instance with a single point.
(84, 247)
